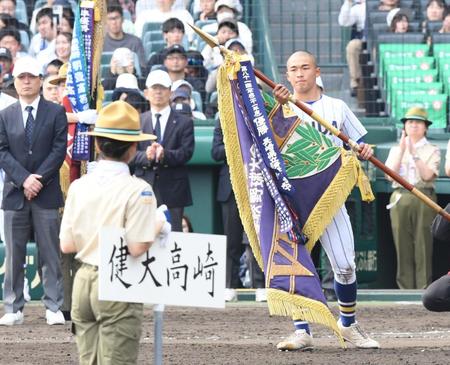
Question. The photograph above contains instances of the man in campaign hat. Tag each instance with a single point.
(106, 331)
(32, 193)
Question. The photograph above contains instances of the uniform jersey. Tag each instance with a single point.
(337, 238)
(109, 196)
(337, 113)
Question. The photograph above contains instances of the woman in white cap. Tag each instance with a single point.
(416, 160)
(109, 332)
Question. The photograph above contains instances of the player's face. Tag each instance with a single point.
(302, 72)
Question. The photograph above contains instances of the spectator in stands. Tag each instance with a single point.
(231, 9)
(446, 23)
(63, 45)
(8, 7)
(53, 67)
(227, 29)
(175, 62)
(66, 21)
(117, 38)
(142, 5)
(416, 160)
(435, 10)
(173, 33)
(122, 61)
(182, 96)
(194, 67)
(163, 163)
(5, 65)
(386, 5)
(49, 90)
(353, 15)
(161, 13)
(129, 6)
(44, 40)
(10, 38)
(127, 89)
(398, 21)
(207, 11)
(51, 4)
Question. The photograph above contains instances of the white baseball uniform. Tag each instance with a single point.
(337, 239)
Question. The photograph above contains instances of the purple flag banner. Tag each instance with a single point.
(287, 178)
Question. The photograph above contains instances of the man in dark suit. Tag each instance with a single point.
(163, 163)
(33, 138)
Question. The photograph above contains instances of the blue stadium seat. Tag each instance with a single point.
(24, 40)
(198, 100)
(106, 58)
(21, 12)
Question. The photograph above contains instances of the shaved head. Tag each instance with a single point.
(298, 54)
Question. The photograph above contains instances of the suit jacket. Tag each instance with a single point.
(169, 178)
(218, 154)
(44, 157)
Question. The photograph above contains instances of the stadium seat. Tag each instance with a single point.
(151, 27)
(106, 58)
(108, 96)
(151, 36)
(21, 12)
(24, 40)
(434, 27)
(401, 38)
(440, 38)
(198, 100)
(152, 47)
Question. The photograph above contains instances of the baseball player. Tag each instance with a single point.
(337, 239)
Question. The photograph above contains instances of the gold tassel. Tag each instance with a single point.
(364, 186)
(64, 177)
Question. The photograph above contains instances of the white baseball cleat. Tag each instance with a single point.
(11, 319)
(54, 317)
(357, 337)
(299, 340)
(260, 295)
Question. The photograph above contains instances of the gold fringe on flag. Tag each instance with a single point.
(335, 196)
(281, 303)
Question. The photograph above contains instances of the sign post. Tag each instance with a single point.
(189, 270)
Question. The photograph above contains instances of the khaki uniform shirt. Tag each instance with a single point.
(427, 152)
(109, 196)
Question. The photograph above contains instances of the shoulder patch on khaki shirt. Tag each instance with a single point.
(147, 197)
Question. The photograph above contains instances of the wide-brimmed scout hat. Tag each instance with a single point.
(120, 121)
(62, 75)
(417, 113)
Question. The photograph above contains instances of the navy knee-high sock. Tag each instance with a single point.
(346, 294)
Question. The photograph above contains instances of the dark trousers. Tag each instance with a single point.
(18, 225)
(437, 296)
(233, 229)
(256, 275)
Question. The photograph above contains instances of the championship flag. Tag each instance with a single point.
(289, 181)
(83, 85)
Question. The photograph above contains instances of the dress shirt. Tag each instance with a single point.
(23, 105)
(162, 120)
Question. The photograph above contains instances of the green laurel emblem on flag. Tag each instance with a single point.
(308, 152)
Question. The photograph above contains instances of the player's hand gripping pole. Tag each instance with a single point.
(211, 41)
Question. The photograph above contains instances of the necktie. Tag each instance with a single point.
(157, 128)
(43, 44)
(29, 124)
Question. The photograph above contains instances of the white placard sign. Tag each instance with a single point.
(189, 270)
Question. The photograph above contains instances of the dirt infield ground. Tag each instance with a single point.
(244, 333)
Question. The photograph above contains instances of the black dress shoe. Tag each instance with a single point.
(67, 315)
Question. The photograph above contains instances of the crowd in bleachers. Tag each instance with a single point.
(409, 42)
(141, 36)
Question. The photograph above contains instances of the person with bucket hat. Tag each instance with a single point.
(109, 331)
(416, 160)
